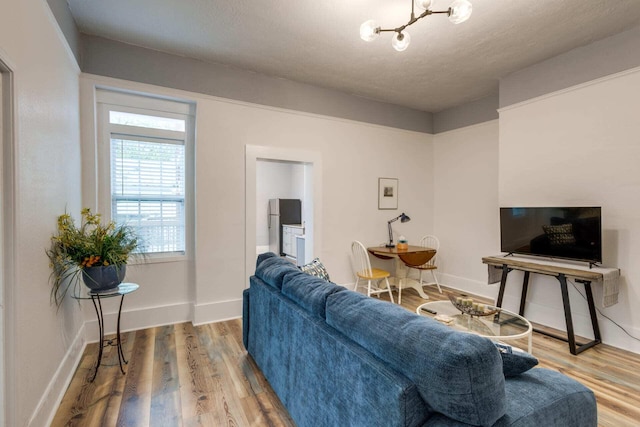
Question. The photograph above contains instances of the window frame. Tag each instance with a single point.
(106, 101)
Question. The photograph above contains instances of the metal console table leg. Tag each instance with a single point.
(575, 348)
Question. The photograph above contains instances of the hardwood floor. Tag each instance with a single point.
(181, 375)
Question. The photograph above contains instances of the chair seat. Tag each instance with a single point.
(376, 273)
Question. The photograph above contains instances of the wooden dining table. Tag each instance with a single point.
(412, 256)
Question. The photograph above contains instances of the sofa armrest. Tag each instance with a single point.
(541, 397)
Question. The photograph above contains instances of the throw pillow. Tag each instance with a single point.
(316, 268)
(559, 235)
(514, 360)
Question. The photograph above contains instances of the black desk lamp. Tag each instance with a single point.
(403, 218)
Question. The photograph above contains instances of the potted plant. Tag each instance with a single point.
(97, 252)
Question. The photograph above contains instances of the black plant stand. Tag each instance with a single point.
(96, 298)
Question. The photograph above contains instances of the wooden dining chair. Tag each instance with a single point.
(430, 241)
(364, 271)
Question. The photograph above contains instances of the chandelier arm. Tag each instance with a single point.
(458, 12)
(414, 19)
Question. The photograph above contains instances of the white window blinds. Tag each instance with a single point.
(148, 190)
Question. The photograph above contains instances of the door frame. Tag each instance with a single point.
(313, 184)
(7, 241)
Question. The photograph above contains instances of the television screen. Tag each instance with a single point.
(562, 232)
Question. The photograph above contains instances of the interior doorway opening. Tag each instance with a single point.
(283, 207)
(303, 169)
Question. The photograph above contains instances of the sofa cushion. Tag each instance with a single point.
(272, 270)
(457, 374)
(514, 360)
(308, 291)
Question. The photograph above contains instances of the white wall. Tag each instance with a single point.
(353, 156)
(580, 147)
(47, 163)
(275, 179)
(465, 204)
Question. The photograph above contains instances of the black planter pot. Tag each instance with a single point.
(103, 278)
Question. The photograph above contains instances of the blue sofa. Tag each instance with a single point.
(335, 357)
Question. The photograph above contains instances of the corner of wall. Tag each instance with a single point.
(52, 396)
(474, 112)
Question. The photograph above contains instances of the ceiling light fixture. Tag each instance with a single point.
(458, 12)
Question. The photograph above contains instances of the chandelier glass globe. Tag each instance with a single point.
(400, 41)
(460, 11)
(423, 4)
(369, 30)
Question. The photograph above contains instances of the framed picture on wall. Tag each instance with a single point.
(387, 193)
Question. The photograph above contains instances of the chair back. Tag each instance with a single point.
(430, 241)
(361, 259)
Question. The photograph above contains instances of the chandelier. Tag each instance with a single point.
(458, 12)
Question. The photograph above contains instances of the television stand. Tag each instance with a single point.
(561, 273)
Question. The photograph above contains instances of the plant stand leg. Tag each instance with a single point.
(98, 307)
(120, 352)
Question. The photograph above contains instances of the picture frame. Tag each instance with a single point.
(387, 193)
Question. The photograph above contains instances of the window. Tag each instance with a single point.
(147, 165)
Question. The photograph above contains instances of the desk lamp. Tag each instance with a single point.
(403, 218)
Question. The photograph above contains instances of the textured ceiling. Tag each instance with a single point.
(318, 42)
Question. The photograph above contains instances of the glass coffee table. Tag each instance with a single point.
(502, 326)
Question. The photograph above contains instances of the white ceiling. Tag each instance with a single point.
(318, 42)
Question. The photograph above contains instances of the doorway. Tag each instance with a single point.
(306, 167)
(275, 180)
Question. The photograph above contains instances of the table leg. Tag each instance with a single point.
(503, 284)
(120, 352)
(98, 308)
(97, 304)
(525, 288)
(402, 272)
(571, 338)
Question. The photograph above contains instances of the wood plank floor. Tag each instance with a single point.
(181, 375)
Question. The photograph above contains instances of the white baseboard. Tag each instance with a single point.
(52, 396)
(469, 286)
(131, 320)
(217, 311)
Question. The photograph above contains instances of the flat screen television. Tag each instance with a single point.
(573, 233)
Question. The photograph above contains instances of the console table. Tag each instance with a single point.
(96, 297)
(508, 264)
